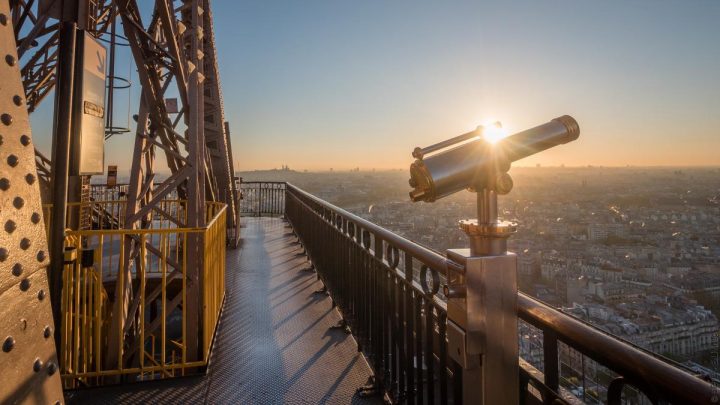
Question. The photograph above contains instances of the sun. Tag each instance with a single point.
(492, 131)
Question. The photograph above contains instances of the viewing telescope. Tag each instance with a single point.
(481, 285)
(480, 164)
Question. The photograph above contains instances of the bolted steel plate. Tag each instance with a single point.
(30, 372)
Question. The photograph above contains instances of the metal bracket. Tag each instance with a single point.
(370, 389)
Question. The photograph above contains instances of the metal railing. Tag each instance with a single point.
(387, 289)
(375, 280)
(159, 272)
(262, 198)
(101, 192)
(110, 214)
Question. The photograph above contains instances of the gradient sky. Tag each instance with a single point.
(343, 84)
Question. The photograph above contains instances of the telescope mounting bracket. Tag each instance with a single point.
(488, 234)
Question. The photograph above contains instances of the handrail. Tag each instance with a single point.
(106, 202)
(427, 256)
(147, 231)
(216, 216)
(652, 374)
(211, 205)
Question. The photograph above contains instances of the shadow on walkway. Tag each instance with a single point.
(273, 345)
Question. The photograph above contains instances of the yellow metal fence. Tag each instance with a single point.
(110, 214)
(153, 343)
(213, 277)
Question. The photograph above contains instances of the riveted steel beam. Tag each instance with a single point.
(30, 366)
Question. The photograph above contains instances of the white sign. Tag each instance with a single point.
(92, 107)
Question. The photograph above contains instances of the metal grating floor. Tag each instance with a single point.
(274, 345)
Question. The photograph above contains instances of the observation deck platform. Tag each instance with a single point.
(275, 342)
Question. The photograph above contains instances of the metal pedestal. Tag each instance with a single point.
(482, 328)
(482, 309)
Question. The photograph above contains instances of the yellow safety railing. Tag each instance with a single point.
(158, 274)
(213, 276)
(84, 322)
(110, 214)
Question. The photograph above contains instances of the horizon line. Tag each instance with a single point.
(331, 170)
(353, 170)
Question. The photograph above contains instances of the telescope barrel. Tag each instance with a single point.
(529, 142)
(470, 164)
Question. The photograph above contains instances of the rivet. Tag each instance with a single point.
(8, 344)
(37, 365)
(30, 178)
(10, 226)
(25, 243)
(4, 184)
(25, 285)
(25, 140)
(17, 100)
(3, 254)
(35, 218)
(3, 19)
(17, 269)
(47, 332)
(12, 160)
(41, 256)
(18, 202)
(41, 295)
(6, 119)
(10, 60)
(52, 368)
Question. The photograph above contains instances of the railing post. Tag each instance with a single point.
(285, 199)
(550, 360)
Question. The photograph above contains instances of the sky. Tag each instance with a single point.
(322, 84)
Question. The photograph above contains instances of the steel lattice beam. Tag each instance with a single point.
(175, 54)
(169, 52)
(217, 138)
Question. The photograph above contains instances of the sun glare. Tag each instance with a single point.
(492, 131)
